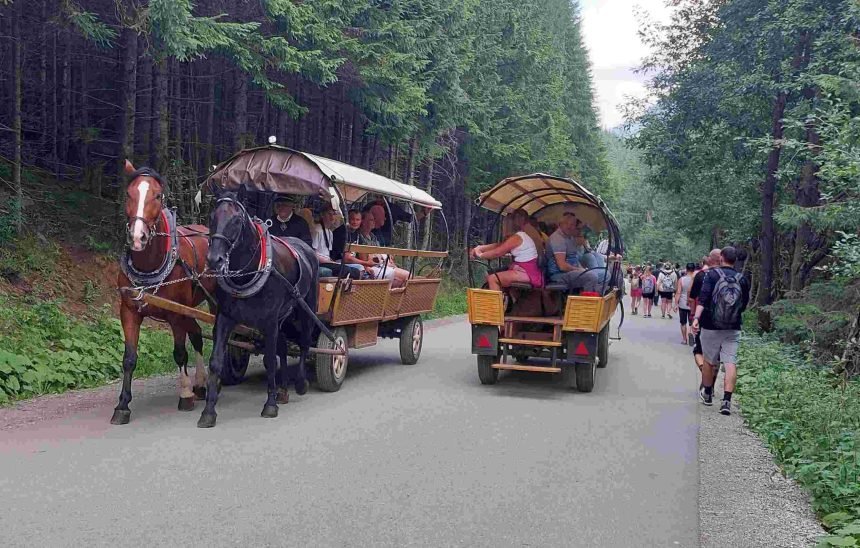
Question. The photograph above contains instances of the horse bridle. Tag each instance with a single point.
(151, 227)
(234, 242)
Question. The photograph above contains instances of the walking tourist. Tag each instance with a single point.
(635, 290)
(724, 296)
(666, 281)
(682, 303)
(711, 259)
(649, 289)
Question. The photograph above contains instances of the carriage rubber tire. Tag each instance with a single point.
(410, 347)
(603, 348)
(585, 372)
(331, 370)
(235, 365)
(486, 373)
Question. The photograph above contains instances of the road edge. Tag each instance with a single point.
(744, 498)
(23, 413)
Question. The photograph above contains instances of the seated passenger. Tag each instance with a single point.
(379, 265)
(564, 251)
(384, 227)
(598, 278)
(285, 223)
(323, 241)
(524, 268)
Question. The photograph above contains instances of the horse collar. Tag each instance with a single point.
(263, 269)
(140, 279)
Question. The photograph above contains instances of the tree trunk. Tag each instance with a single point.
(428, 224)
(17, 64)
(241, 110)
(55, 112)
(129, 100)
(159, 118)
(66, 134)
(210, 123)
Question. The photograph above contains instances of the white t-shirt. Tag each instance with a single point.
(321, 238)
(526, 251)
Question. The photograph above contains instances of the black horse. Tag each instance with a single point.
(262, 278)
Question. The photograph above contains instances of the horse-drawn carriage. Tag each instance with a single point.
(343, 313)
(569, 327)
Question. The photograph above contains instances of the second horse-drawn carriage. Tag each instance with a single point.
(566, 321)
(348, 311)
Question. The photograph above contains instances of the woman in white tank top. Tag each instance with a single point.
(524, 268)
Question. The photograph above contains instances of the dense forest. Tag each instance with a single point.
(449, 95)
(751, 135)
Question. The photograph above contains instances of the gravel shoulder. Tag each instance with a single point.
(744, 499)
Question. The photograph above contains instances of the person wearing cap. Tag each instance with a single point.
(285, 223)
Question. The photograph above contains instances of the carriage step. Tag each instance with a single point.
(530, 342)
(534, 319)
(533, 368)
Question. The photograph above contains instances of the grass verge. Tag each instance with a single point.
(43, 350)
(451, 300)
(810, 419)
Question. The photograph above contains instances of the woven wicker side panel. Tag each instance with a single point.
(420, 296)
(395, 299)
(583, 313)
(364, 302)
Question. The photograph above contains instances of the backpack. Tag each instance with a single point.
(726, 300)
(667, 282)
(648, 284)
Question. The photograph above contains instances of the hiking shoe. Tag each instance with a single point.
(726, 407)
(707, 399)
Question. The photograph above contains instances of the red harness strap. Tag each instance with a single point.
(288, 246)
(263, 257)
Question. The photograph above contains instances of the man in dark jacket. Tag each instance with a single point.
(720, 305)
(286, 223)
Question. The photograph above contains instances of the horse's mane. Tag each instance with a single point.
(149, 172)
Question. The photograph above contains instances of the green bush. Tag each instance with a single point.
(818, 318)
(451, 300)
(810, 419)
(42, 350)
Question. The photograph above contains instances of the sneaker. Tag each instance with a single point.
(707, 399)
(670, 316)
(726, 407)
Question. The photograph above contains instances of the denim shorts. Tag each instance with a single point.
(720, 345)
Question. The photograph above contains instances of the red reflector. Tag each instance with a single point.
(581, 350)
(589, 294)
(484, 342)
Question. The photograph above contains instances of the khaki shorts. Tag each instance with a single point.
(720, 345)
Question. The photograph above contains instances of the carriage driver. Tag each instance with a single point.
(286, 223)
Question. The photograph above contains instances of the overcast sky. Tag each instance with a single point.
(610, 28)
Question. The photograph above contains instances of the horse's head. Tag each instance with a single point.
(143, 203)
(225, 229)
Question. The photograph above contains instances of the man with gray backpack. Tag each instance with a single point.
(724, 296)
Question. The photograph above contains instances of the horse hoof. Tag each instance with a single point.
(121, 416)
(200, 392)
(186, 404)
(302, 387)
(283, 395)
(206, 420)
(269, 411)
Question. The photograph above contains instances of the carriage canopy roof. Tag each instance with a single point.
(547, 198)
(285, 171)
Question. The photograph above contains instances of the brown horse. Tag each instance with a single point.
(160, 252)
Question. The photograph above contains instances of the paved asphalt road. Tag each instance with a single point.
(419, 455)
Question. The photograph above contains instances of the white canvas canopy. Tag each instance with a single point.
(279, 169)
